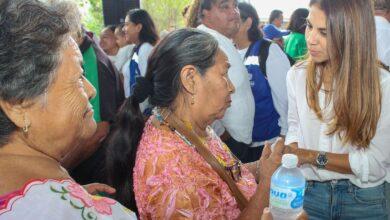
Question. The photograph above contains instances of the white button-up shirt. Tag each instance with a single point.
(370, 167)
(122, 56)
(383, 39)
(238, 119)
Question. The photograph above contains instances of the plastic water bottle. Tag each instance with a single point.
(287, 189)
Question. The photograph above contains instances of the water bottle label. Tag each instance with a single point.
(285, 198)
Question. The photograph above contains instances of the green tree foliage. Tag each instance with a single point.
(166, 13)
(92, 11)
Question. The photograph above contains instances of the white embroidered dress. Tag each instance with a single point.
(59, 199)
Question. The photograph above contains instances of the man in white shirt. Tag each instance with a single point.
(220, 18)
(382, 23)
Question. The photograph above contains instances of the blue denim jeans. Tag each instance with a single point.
(340, 199)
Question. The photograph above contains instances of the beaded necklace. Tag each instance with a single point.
(234, 169)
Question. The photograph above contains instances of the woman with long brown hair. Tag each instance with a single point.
(339, 113)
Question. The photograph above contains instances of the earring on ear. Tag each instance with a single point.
(192, 100)
(26, 125)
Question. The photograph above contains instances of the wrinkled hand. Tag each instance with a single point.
(268, 216)
(270, 161)
(95, 188)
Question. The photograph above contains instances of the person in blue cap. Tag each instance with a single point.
(272, 31)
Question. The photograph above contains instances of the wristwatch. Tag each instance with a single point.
(321, 160)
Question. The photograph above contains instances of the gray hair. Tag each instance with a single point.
(31, 38)
(70, 10)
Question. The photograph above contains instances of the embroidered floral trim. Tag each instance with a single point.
(80, 199)
(10, 199)
(5, 199)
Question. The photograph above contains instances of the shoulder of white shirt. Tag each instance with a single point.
(384, 76)
(300, 66)
(382, 22)
(146, 48)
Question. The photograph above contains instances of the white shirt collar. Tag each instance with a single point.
(213, 32)
(381, 20)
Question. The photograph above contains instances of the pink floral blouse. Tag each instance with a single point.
(173, 181)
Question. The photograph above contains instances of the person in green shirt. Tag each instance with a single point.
(99, 70)
(295, 43)
(86, 162)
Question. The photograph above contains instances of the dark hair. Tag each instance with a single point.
(31, 37)
(274, 15)
(248, 11)
(185, 10)
(148, 32)
(193, 14)
(178, 49)
(205, 5)
(298, 20)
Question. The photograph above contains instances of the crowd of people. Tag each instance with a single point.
(180, 126)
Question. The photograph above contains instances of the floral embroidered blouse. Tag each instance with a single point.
(59, 199)
(173, 181)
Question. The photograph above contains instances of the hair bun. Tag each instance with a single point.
(142, 89)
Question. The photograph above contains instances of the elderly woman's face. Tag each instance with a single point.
(66, 117)
(212, 97)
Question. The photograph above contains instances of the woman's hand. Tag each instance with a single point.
(268, 216)
(95, 188)
(293, 149)
(268, 163)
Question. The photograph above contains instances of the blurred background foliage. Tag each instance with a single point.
(92, 11)
(167, 14)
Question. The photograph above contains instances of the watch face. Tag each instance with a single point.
(322, 160)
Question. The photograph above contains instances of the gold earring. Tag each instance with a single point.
(26, 125)
(25, 129)
(192, 100)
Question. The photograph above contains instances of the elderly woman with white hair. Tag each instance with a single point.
(44, 114)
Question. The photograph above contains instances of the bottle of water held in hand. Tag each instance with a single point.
(287, 189)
